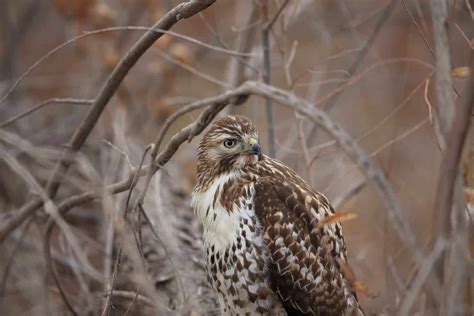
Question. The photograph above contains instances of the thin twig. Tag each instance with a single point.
(395, 110)
(348, 194)
(134, 296)
(427, 100)
(116, 29)
(181, 11)
(16, 247)
(192, 70)
(411, 295)
(110, 291)
(167, 253)
(42, 104)
(422, 35)
(129, 308)
(277, 14)
(36, 188)
(384, 17)
(120, 151)
(326, 99)
(242, 60)
(418, 28)
(223, 50)
(267, 74)
(245, 38)
(110, 286)
(291, 57)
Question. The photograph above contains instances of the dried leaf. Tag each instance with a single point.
(361, 287)
(461, 72)
(349, 275)
(347, 271)
(339, 217)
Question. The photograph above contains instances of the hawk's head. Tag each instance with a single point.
(231, 143)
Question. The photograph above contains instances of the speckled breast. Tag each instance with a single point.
(239, 273)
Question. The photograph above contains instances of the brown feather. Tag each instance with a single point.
(303, 259)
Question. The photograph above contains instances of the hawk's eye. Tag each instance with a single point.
(229, 143)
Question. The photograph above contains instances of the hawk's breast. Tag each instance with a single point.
(237, 256)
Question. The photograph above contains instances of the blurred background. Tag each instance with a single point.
(367, 63)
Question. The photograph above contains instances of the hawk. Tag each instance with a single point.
(266, 253)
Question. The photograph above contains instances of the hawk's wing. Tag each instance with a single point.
(305, 266)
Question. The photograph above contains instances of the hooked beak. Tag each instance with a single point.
(253, 147)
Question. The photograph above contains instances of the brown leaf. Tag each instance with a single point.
(347, 271)
(461, 72)
(339, 217)
(349, 275)
(361, 287)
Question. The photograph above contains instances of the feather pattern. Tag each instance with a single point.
(266, 252)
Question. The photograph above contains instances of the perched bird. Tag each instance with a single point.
(266, 253)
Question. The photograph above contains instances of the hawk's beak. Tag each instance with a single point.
(253, 146)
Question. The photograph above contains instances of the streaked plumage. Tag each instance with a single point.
(265, 252)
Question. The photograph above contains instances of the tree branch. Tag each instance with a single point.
(181, 11)
(444, 83)
(216, 104)
(449, 212)
(44, 103)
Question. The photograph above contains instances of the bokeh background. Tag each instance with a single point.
(368, 63)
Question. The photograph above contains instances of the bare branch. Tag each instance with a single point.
(354, 152)
(348, 194)
(116, 29)
(352, 149)
(445, 105)
(236, 69)
(193, 70)
(450, 164)
(134, 296)
(425, 269)
(42, 104)
(181, 11)
(358, 60)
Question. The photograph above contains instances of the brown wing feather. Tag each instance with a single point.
(304, 267)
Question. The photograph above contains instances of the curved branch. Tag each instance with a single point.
(353, 151)
(181, 11)
(216, 104)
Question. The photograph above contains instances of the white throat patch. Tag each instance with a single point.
(220, 226)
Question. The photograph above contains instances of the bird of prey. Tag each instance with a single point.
(266, 253)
